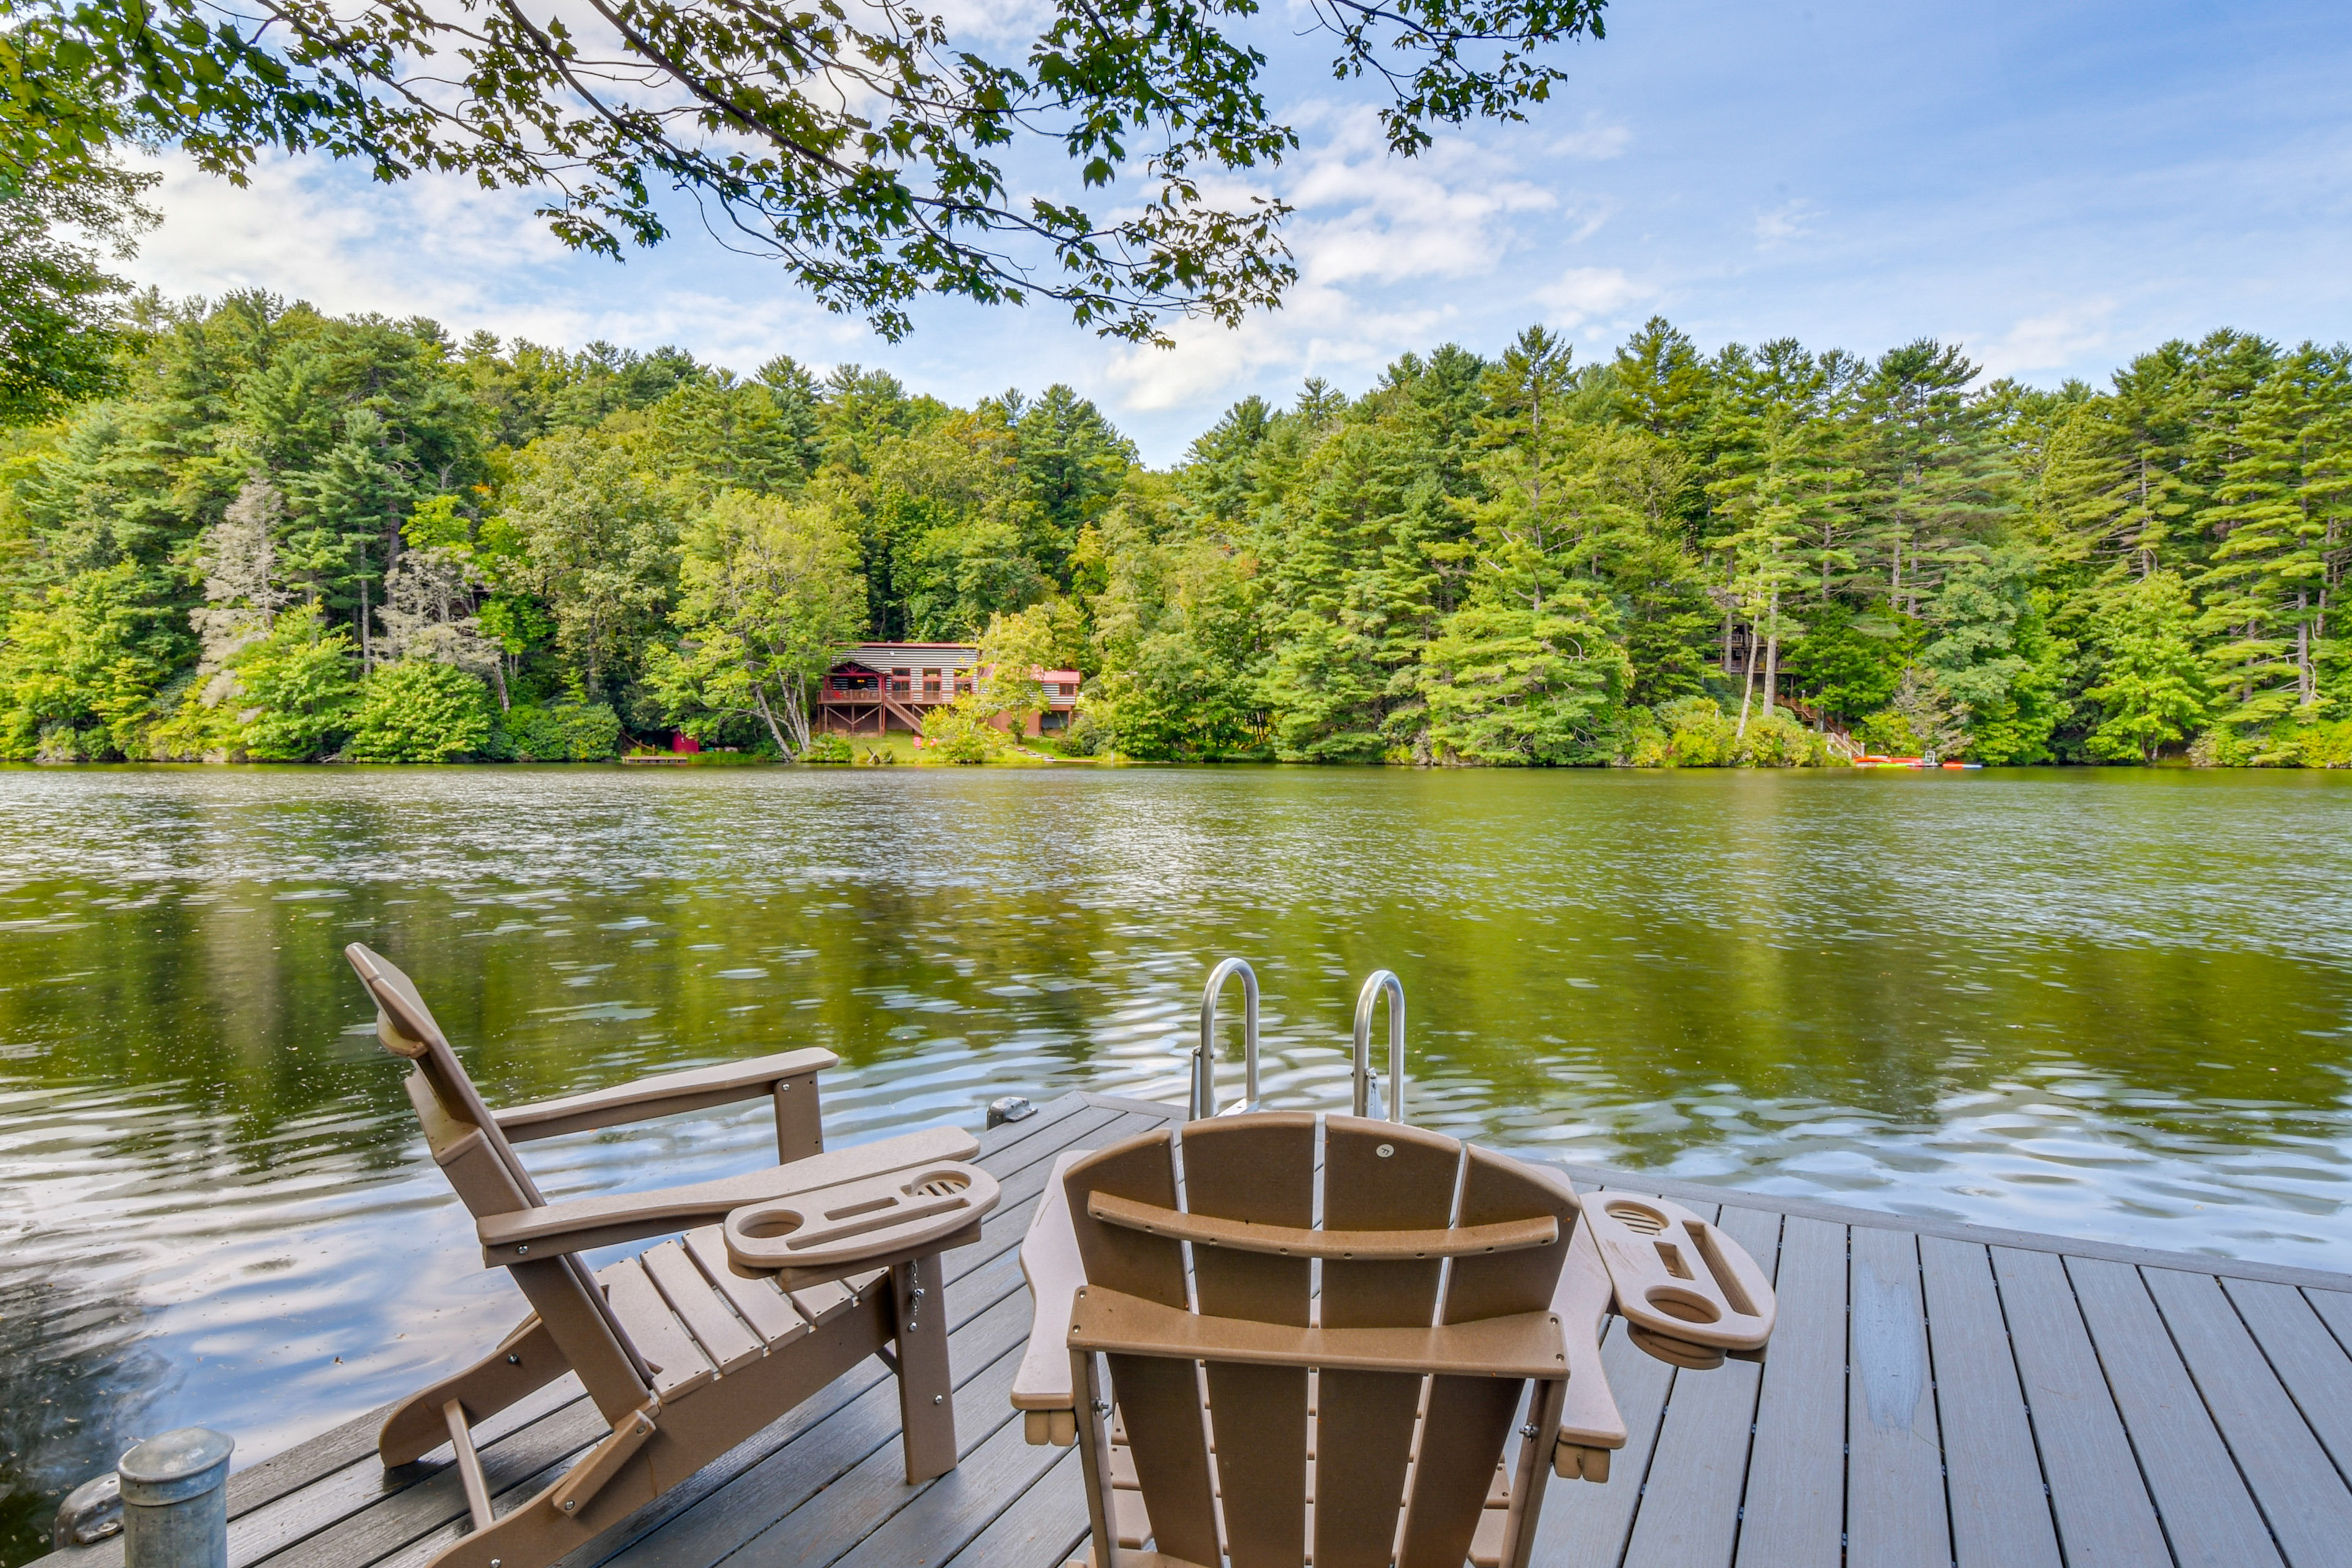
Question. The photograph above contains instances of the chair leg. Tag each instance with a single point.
(470, 1465)
(925, 1387)
(1533, 1472)
(1094, 1458)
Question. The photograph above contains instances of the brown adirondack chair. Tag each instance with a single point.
(780, 1280)
(1408, 1407)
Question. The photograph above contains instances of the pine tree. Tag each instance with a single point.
(2280, 499)
(2152, 683)
(1931, 475)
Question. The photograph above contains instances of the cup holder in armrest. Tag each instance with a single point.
(1686, 1305)
(863, 1221)
(1681, 1284)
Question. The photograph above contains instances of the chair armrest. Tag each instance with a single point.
(554, 1229)
(1678, 1279)
(1523, 1344)
(664, 1094)
(1590, 1420)
(1049, 1260)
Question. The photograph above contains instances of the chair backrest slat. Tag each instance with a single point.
(1377, 1176)
(1497, 1284)
(1476, 1413)
(1158, 1399)
(490, 1180)
(1375, 1503)
(1258, 1168)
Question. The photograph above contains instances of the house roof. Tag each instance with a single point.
(881, 657)
(884, 657)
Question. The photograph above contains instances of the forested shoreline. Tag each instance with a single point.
(292, 537)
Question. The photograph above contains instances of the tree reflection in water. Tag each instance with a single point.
(2101, 1004)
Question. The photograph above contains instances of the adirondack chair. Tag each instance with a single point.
(1410, 1409)
(781, 1280)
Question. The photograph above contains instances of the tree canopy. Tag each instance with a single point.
(877, 152)
(1762, 554)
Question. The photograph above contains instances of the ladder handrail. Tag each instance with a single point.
(1204, 1080)
(1380, 980)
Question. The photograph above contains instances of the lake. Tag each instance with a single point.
(2104, 1002)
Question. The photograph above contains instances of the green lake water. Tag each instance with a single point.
(2111, 1004)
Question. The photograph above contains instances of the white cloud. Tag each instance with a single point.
(1367, 214)
(2055, 340)
(1584, 293)
(1786, 222)
(1596, 140)
(1370, 231)
(442, 247)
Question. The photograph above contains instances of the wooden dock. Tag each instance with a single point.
(1935, 1395)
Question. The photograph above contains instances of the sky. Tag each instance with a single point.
(2056, 186)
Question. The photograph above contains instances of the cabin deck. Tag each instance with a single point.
(1934, 1394)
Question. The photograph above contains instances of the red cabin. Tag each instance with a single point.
(879, 686)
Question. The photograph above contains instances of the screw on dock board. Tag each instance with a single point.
(175, 1500)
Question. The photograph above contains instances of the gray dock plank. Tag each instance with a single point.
(1701, 1463)
(2334, 1310)
(2176, 1407)
(2106, 1518)
(2306, 1357)
(2001, 1512)
(1585, 1524)
(2207, 1515)
(1045, 1528)
(1795, 1507)
(1895, 1511)
(827, 1525)
(2292, 1480)
(933, 1527)
(363, 1500)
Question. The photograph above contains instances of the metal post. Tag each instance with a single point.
(1204, 1080)
(1380, 980)
(175, 1500)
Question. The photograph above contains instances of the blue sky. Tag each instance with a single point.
(2056, 186)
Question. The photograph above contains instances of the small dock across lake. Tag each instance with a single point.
(1935, 1395)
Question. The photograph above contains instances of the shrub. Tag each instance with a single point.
(419, 710)
(1697, 733)
(2306, 743)
(1888, 734)
(298, 689)
(1641, 741)
(828, 748)
(2323, 745)
(961, 732)
(565, 732)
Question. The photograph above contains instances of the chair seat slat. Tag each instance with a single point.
(762, 1305)
(677, 1364)
(716, 1328)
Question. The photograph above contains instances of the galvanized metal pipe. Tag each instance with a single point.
(1381, 981)
(1204, 1080)
(175, 1500)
